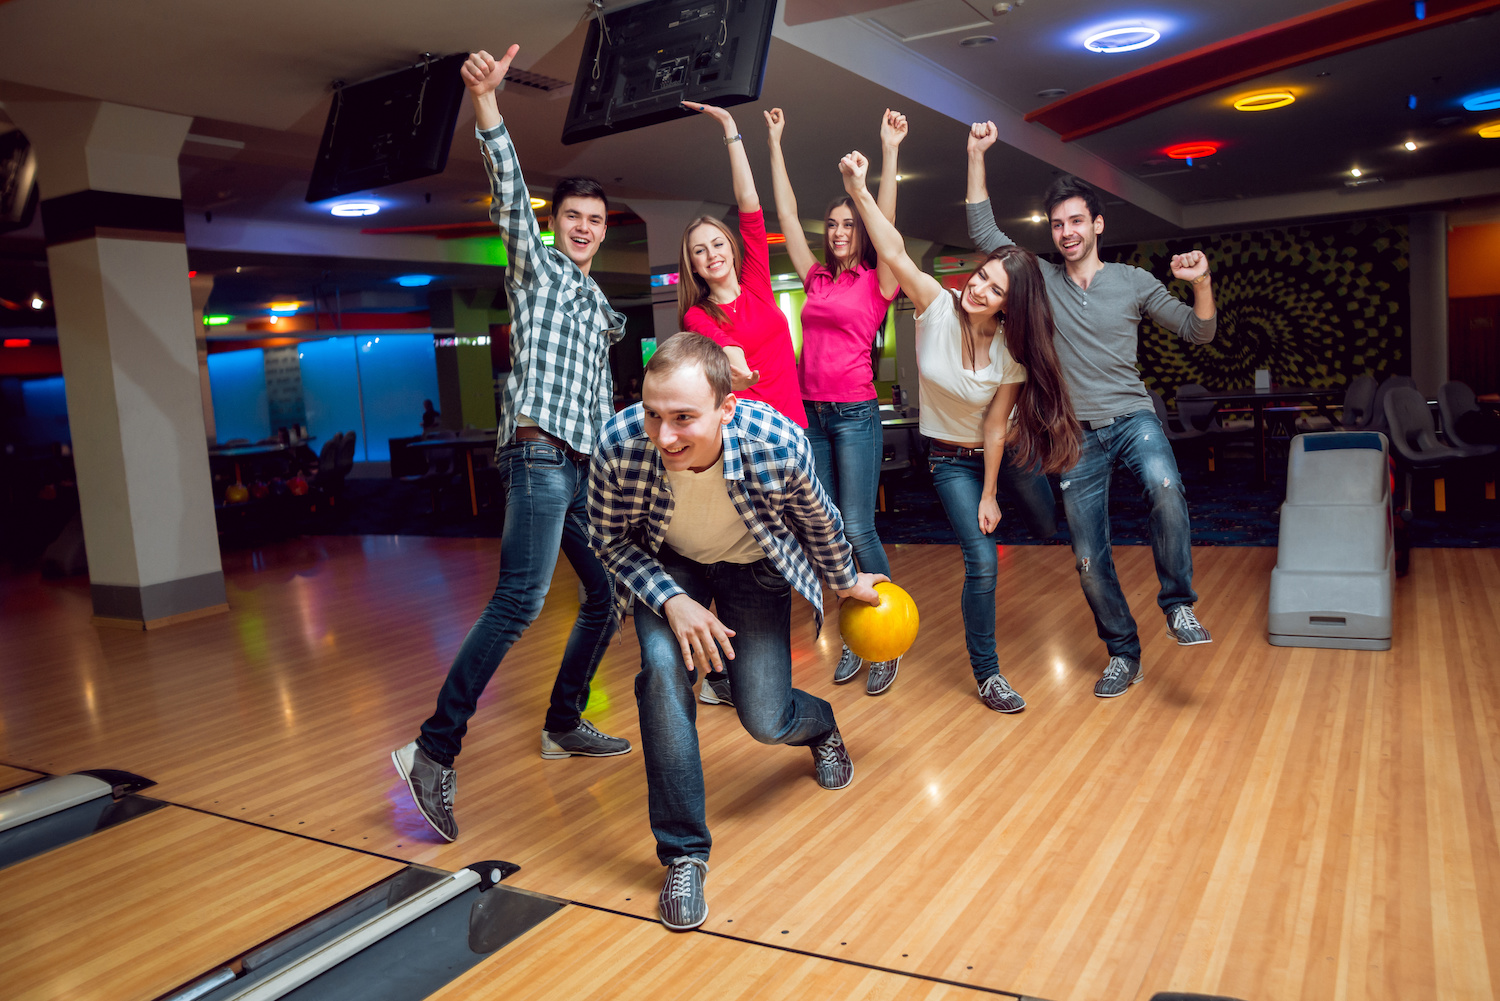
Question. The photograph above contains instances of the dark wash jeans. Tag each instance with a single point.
(848, 447)
(755, 601)
(1137, 441)
(544, 511)
(959, 483)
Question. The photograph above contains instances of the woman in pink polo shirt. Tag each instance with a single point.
(726, 296)
(848, 296)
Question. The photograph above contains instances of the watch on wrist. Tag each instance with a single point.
(731, 139)
(1200, 279)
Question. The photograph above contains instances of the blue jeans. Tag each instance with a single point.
(755, 601)
(960, 483)
(545, 497)
(1137, 440)
(848, 447)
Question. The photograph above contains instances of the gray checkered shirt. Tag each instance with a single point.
(561, 325)
(769, 473)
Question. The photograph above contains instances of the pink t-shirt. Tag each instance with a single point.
(839, 322)
(757, 326)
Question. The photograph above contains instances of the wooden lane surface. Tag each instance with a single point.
(135, 910)
(1251, 820)
(12, 777)
(574, 952)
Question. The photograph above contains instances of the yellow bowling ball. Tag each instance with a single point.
(880, 632)
(236, 493)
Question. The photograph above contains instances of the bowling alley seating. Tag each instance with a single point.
(1419, 450)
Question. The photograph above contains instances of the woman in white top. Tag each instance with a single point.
(989, 377)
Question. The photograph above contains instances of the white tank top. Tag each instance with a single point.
(953, 399)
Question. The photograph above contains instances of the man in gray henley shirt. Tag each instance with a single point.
(1097, 308)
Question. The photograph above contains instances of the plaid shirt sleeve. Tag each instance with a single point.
(530, 259)
(624, 494)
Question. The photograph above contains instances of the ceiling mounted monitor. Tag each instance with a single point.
(650, 57)
(396, 127)
(18, 192)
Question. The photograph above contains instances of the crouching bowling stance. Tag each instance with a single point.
(697, 499)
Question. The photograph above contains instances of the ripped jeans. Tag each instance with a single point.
(1137, 440)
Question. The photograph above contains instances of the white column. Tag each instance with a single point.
(665, 221)
(112, 215)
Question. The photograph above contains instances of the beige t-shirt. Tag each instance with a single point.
(705, 526)
(953, 399)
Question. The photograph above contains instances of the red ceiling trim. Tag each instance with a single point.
(1327, 32)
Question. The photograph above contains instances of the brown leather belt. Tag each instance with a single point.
(528, 433)
(949, 449)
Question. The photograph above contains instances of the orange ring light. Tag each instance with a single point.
(1267, 101)
(1490, 131)
(1191, 151)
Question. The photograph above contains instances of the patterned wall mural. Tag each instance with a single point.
(1316, 304)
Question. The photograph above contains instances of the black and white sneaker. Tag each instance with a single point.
(847, 667)
(882, 675)
(715, 690)
(997, 694)
(433, 787)
(585, 741)
(682, 906)
(1184, 627)
(831, 760)
(1119, 675)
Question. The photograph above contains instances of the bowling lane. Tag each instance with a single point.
(572, 953)
(139, 909)
(12, 777)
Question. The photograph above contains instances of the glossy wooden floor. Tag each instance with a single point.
(1256, 821)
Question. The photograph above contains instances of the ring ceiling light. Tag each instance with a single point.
(1265, 102)
(1491, 131)
(1126, 39)
(349, 209)
(1487, 101)
(1191, 151)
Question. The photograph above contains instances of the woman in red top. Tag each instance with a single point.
(727, 297)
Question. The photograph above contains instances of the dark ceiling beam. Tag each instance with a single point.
(1327, 32)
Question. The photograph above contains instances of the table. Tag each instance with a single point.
(1259, 399)
(238, 452)
(468, 443)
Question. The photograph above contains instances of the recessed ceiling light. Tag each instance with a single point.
(1051, 92)
(1491, 131)
(974, 40)
(1265, 101)
(1489, 100)
(414, 281)
(1191, 151)
(37, 302)
(284, 307)
(1036, 217)
(349, 209)
(1410, 146)
(1356, 172)
(1126, 39)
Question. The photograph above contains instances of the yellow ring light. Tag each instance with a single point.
(1491, 131)
(1266, 101)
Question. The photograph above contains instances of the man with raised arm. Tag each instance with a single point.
(1098, 308)
(557, 397)
(699, 499)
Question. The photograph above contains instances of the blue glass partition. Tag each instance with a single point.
(238, 382)
(397, 372)
(330, 388)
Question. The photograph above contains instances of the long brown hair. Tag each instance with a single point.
(692, 290)
(862, 251)
(1045, 433)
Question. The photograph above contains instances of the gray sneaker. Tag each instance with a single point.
(682, 905)
(882, 673)
(585, 740)
(997, 694)
(715, 690)
(432, 785)
(1184, 627)
(847, 667)
(1119, 675)
(831, 760)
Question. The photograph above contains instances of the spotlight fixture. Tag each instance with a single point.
(275, 319)
(974, 40)
(1191, 151)
(37, 302)
(1488, 100)
(1411, 147)
(354, 209)
(1356, 172)
(1266, 101)
(1036, 217)
(1124, 39)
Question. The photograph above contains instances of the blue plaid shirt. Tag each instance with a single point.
(561, 324)
(768, 470)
